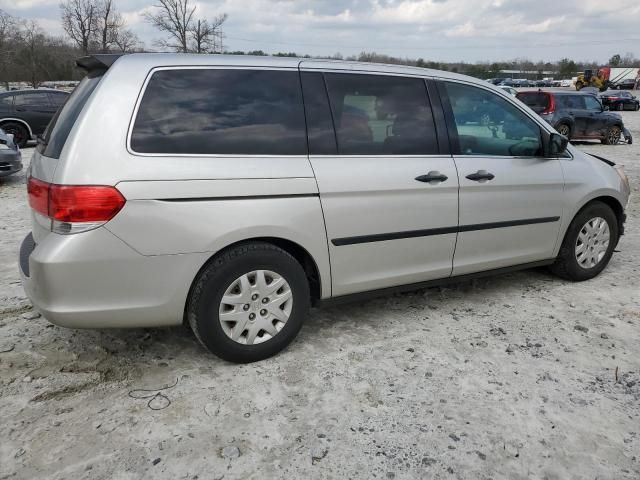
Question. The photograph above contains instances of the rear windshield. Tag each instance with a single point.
(536, 101)
(61, 124)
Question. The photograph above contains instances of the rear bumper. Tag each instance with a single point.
(94, 280)
(10, 162)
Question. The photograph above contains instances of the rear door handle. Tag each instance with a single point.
(432, 177)
(481, 175)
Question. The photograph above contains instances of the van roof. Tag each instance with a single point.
(152, 60)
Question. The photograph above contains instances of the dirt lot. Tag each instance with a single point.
(509, 377)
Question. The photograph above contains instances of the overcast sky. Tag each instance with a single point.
(441, 30)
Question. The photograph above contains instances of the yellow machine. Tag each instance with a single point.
(600, 80)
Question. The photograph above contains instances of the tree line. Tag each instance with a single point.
(27, 53)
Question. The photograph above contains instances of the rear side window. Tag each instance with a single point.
(211, 111)
(61, 124)
(536, 101)
(58, 99)
(31, 100)
(381, 115)
(6, 101)
(575, 101)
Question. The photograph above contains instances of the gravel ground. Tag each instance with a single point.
(520, 376)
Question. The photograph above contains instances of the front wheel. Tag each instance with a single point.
(612, 137)
(588, 244)
(249, 302)
(579, 86)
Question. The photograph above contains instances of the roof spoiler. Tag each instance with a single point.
(97, 62)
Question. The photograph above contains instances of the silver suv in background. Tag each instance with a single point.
(231, 193)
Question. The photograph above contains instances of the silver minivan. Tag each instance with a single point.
(232, 193)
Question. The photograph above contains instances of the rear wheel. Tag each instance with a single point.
(612, 137)
(249, 302)
(588, 244)
(19, 132)
(564, 129)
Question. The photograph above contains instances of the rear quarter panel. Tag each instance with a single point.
(205, 212)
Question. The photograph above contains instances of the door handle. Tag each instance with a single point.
(432, 177)
(481, 175)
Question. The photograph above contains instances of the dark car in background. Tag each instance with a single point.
(626, 84)
(620, 100)
(577, 116)
(10, 156)
(26, 113)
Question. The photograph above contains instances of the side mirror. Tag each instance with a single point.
(557, 144)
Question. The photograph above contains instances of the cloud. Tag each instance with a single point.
(431, 29)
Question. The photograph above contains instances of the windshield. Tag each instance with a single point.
(61, 124)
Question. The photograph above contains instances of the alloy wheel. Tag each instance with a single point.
(592, 243)
(255, 307)
(563, 130)
(613, 135)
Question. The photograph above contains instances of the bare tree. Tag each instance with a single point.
(8, 33)
(126, 41)
(207, 36)
(175, 18)
(109, 24)
(33, 49)
(80, 21)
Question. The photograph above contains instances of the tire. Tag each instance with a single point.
(612, 137)
(579, 86)
(567, 265)
(219, 279)
(19, 132)
(564, 129)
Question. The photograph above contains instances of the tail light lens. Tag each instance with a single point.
(38, 196)
(74, 208)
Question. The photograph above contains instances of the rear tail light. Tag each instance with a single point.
(74, 208)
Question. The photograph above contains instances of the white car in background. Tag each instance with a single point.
(567, 82)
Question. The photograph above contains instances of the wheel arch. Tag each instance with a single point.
(565, 120)
(611, 201)
(296, 250)
(17, 120)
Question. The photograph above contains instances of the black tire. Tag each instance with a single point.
(210, 286)
(19, 132)
(579, 86)
(566, 265)
(613, 135)
(564, 127)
